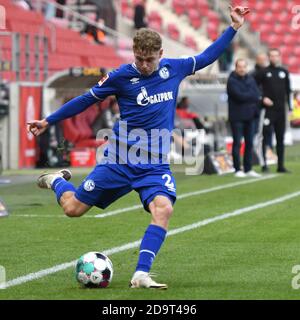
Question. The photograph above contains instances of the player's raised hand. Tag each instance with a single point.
(237, 15)
(37, 127)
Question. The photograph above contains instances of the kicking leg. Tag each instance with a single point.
(161, 210)
(64, 191)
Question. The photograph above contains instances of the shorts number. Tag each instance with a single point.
(168, 183)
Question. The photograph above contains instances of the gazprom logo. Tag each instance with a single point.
(143, 99)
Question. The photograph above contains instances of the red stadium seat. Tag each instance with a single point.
(253, 20)
(155, 21)
(290, 39)
(173, 31)
(276, 41)
(127, 9)
(283, 18)
(266, 17)
(292, 60)
(280, 28)
(155, 25)
(190, 42)
(266, 28)
(191, 4)
(78, 129)
(278, 6)
(297, 51)
(212, 30)
(213, 16)
(195, 18)
(178, 7)
(261, 6)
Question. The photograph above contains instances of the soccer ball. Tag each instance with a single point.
(94, 270)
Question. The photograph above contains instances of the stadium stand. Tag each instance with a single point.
(192, 23)
(78, 130)
(67, 48)
(272, 20)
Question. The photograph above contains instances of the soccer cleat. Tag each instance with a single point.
(143, 280)
(46, 179)
(240, 174)
(253, 174)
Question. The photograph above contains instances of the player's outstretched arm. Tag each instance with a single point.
(69, 109)
(213, 52)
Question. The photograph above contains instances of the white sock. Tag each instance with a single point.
(139, 273)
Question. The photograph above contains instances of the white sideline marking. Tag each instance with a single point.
(139, 206)
(135, 244)
(189, 194)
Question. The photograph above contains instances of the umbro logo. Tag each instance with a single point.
(135, 80)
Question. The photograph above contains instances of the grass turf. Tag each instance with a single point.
(245, 257)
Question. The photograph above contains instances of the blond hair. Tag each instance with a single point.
(146, 41)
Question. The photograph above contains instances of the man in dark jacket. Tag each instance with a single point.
(243, 99)
(275, 84)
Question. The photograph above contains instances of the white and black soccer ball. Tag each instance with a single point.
(94, 270)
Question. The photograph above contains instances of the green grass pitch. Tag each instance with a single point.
(249, 256)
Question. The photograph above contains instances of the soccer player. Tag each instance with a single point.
(146, 91)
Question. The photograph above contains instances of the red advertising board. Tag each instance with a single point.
(83, 157)
(29, 109)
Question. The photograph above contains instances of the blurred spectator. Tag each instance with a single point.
(261, 62)
(106, 11)
(243, 98)
(112, 114)
(186, 119)
(94, 33)
(50, 10)
(183, 113)
(140, 15)
(60, 12)
(275, 83)
(4, 98)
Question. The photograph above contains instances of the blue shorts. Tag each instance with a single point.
(108, 182)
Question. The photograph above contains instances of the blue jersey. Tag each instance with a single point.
(145, 102)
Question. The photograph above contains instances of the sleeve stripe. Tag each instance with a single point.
(93, 94)
(194, 67)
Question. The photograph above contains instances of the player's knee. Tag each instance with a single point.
(72, 212)
(168, 210)
(164, 211)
